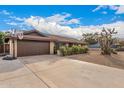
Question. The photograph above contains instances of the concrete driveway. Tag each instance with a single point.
(55, 71)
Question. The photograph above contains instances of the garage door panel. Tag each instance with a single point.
(28, 48)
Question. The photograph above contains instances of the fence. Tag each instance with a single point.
(1, 49)
(6, 48)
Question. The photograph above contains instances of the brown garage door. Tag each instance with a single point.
(28, 48)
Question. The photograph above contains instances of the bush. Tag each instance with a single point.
(2, 37)
(74, 49)
(69, 50)
(85, 49)
(64, 50)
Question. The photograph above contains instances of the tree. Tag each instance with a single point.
(90, 38)
(106, 41)
(2, 37)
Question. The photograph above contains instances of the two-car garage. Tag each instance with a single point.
(29, 47)
(36, 43)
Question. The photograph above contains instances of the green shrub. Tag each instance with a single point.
(73, 50)
(81, 50)
(2, 37)
(85, 49)
(63, 50)
(69, 50)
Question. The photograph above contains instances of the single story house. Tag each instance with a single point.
(36, 43)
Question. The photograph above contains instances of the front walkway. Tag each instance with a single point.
(55, 71)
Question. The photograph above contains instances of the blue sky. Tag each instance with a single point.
(71, 17)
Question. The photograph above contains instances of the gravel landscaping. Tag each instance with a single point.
(114, 60)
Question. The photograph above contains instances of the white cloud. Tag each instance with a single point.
(119, 26)
(117, 9)
(120, 10)
(5, 12)
(17, 18)
(52, 27)
(111, 7)
(62, 19)
(104, 12)
(12, 23)
(58, 17)
(73, 21)
(99, 7)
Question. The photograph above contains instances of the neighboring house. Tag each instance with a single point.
(36, 43)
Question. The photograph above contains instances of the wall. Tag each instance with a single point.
(52, 44)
